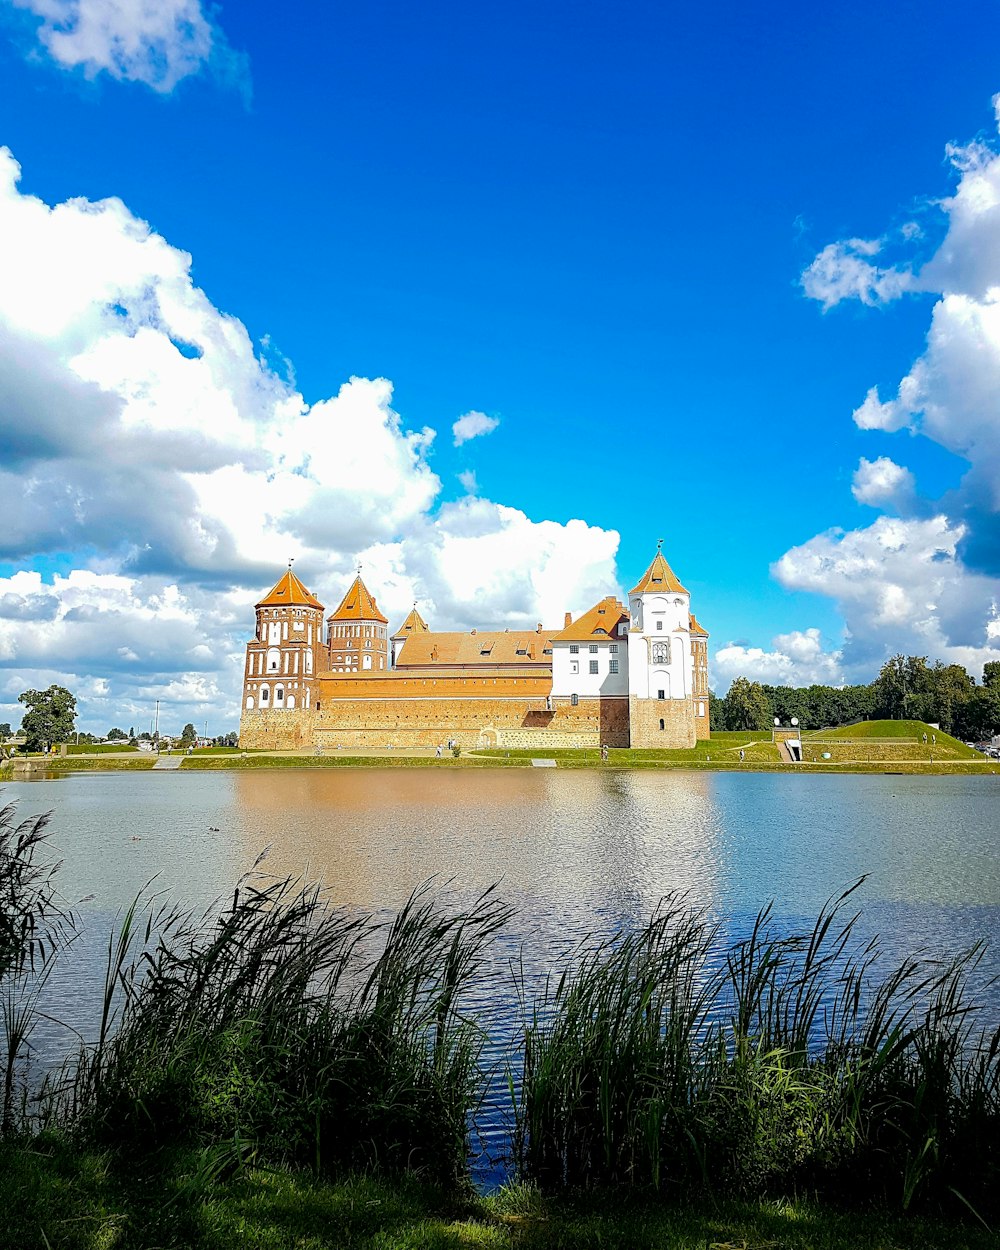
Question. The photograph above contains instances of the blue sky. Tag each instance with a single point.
(597, 225)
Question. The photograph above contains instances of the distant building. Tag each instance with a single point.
(618, 675)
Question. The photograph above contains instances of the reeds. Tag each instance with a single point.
(792, 1062)
(284, 1029)
(34, 923)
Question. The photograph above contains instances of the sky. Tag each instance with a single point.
(489, 299)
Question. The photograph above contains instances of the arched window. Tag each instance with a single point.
(263, 698)
(662, 726)
(291, 702)
(249, 700)
(661, 652)
(273, 660)
(279, 694)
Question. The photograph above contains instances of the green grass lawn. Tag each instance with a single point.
(55, 1199)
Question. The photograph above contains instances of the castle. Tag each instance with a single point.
(618, 675)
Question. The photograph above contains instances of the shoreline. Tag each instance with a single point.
(13, 770)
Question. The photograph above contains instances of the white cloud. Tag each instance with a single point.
(468, 481)
(798, 659)
(882, 483)
(473, 425)
(841, 271)
(138, 424)
(900, 586)
(156, 42)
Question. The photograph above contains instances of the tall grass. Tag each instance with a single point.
(791, 1062)
(284, 1029)
(34, 923)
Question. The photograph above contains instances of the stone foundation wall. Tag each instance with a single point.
(375, 724)
(678, 717)
(271, 730)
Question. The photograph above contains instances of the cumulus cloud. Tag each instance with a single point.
(928, 579)
(883, 484)
(798, 659)
(156, 42)
(473, 425)
(139, 425)
(900, 585)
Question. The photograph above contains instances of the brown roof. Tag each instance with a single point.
(358, 605)
(695, 627)
(598, 622)
(287, 590)
(414, 624)
(659, 576)
(477, 649)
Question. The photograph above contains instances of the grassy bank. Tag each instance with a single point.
(869, 747)
(57, 1198)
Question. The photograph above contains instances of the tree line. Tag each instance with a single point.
(51, 718)
(907, 688)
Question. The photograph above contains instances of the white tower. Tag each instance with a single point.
(662, 706)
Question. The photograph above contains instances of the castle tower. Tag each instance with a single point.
(663, 707)
(287, 651)
(414, 624)
(356, 633)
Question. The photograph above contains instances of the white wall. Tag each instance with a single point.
(584, 683)
(660, 617)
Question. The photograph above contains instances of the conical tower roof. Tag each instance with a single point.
(659, 576)
(358, 605)
(289, 590)
(414, 624)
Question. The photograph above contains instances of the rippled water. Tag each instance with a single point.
(575, 852)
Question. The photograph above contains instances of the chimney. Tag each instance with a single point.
(538, 628)
(568, 621)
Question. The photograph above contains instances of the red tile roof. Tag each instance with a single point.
(289, 590)
(358, 605)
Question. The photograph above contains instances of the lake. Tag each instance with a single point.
(575, 852)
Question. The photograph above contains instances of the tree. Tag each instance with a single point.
(188, 735)
(4, 731)
(116, 735)
(991, 674)
(979, 716)
(746, 706)
(49, 718)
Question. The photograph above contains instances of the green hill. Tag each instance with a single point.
(887, 740)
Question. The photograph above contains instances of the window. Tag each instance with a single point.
(521, 651)
(593, 666)
(574, 700)
(661, 694)
(661, 653)
(612, 666)
(662, 726)
(574, 666)
(574, 649)
(592, 648)
(613, 648)
(659, 624)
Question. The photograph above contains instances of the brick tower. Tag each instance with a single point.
(287, 652)
(357, 633)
